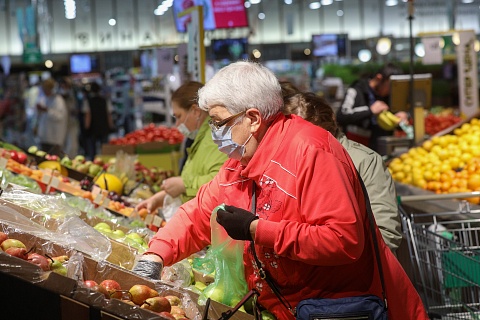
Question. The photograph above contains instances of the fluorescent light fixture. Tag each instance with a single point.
(326, 2)
(288, 1)
(314, 5)
(391, 3)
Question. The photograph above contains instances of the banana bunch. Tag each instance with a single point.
(388, 121)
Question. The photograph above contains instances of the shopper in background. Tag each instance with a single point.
(68, 94)
(364, 101)
(369, 164)
(52, 119)
(98, 120)
(203, 160)
(309, 224)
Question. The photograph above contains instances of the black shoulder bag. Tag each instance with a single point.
(364, 307)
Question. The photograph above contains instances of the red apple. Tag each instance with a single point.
(39, 260)
(13, 155)
(22, 157)
(3, 237)
(113, 288)
(17, 252)
(89, 283)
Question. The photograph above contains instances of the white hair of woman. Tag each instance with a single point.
(243, 85)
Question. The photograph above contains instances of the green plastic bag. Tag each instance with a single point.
(226, 256)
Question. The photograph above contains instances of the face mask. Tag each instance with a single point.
(223, 139)
(185, 131)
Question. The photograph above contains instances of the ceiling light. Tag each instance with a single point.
(476, 45)
(247, 4)
(256, 53)
(467, 1)
(391, 3)
(364, 55)
(456, 38)
(420, 50)
(255, 1)
(261, 16)
(314, 5)
(383, 46)
(70, 9)
(112, 22)
(340, 13)
(326, 2)
(49, 64)
(288, 1)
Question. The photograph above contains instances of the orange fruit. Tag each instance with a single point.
(474, 182)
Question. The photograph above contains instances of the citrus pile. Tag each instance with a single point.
(444, 164)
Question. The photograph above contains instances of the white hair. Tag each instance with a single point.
(243, 85)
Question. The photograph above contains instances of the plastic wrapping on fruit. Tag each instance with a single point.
(54, 165)
(110, 182)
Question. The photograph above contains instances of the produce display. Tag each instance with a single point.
(150, 133)
(443, 164)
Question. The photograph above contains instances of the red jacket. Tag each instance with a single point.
(313, 234)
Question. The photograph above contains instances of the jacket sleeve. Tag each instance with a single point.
(331, 208)
(382, 194)
(202, 167)
(353, 109)
(189, 229)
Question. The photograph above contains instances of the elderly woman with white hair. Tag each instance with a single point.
(291, 188)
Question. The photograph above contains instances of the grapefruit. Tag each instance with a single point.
(110, 182)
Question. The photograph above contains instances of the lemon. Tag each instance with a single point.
(54, 165)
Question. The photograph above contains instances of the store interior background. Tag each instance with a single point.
(279, 35)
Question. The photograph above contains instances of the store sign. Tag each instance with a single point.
(196, 47)
(467, 73)
(26, 21)
(433, 51)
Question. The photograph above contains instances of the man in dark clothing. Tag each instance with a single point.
(363, 102)
(98, 120)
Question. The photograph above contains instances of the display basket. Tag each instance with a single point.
(444, 250)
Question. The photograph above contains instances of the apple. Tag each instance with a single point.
(39, 260)
(94, 169)
(79, 158)
(99, 161)
(66, 161)
(12, 243)
(90, 283)
(17, 252)
(113, 288)
(13, 155)
(119, 233)
(32, 149)
(3, 237)
(167, 315)
(102, 226)
(40, 153)
(22, 157)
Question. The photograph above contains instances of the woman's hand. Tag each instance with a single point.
(174, 186)
(152, 203)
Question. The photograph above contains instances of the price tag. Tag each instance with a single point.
(106, 202)
(3, 163)
(157, 221)
(148, 219)
(55, 182)
(46, 178)
(98, 199)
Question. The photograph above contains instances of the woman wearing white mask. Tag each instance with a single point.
(203, 157)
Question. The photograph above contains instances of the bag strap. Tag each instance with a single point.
(265, 276)
(374, 238)
(262, 272)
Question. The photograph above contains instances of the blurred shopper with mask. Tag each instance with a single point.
(291, 189)
(203, 158)
(52, 119)
(73, 131)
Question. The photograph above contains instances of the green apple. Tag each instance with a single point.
(79, 158)
(94, 169)
(41, 153)
(102, 226)
(12, 243)
(119, 233)
(32, 149)
(134, 235)
(66, 161)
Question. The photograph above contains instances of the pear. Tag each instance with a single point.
(39, 260)
(157, 304)
(174, 300)
(139, 293)
(58, 267)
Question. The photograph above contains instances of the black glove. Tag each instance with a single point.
(148, 269)
(236, 222)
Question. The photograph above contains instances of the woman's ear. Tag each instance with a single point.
(255, 119)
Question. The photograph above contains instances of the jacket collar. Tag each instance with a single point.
(267, 148)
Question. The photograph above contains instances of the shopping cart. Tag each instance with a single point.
(445, 255)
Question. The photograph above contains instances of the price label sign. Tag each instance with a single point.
(157, 221)
(3, 163)
(98, 199)
(55, 182)
(149, 219)
(46, 178)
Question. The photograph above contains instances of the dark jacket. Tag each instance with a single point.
(354, 114)
(99, 116)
